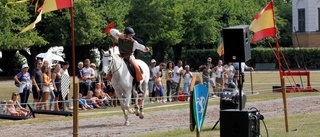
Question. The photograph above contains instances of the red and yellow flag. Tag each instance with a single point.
(52, 5)
(220, 48)
(263, 24)
(48, 6)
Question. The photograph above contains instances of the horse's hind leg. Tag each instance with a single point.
(136, 106)
(142, 98)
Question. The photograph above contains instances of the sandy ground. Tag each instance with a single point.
(160, 121)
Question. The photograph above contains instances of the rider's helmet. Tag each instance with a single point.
(232, 85)
(128, 31)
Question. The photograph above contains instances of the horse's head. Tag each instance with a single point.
(107, 61)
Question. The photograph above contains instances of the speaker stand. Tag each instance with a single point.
(215, 124)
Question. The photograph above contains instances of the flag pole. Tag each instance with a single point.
(284, 98)
(75, 94)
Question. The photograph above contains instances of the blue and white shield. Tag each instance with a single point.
(200, 102)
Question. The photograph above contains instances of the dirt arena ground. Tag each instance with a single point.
(160, 121)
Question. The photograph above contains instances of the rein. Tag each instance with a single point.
(112, 65)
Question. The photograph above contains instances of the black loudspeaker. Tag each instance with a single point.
(239, 123)
(236, 44)
(229, 99)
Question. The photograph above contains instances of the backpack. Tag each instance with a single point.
(17, 83)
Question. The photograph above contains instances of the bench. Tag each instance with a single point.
(265, 66)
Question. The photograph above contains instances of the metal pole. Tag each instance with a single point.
(240, 85)
(284, 97)
(75, 86)
(251, 82)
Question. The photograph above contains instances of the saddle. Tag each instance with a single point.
(133, 73)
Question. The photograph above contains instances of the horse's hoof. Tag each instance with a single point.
(127, 123)
(141, 116)
(137, 114)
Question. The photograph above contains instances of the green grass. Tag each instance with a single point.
(300, 125)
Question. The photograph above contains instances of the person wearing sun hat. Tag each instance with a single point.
(24, 81)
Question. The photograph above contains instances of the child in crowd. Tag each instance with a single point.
(159, 88)
(3, 107)
(90, 100)
(83, 103)
(181, 95)
(187, 76)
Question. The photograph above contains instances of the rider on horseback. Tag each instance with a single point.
(127, 45)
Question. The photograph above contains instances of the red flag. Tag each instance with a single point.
(263, 24)
(109, 27)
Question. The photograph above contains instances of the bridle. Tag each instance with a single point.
(111, 64)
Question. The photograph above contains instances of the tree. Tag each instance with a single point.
(157, 22)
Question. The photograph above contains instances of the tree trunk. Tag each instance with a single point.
(159, 52)
(177, 49)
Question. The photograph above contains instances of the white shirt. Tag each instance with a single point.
(155, 70)
(187, 78)
(136, 45)
(175, 71)
(64, 72)
(243, 66)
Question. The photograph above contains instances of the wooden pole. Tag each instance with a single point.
(75, 86)
(284, 97)
(198, 133)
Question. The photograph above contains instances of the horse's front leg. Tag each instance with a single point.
(123, 107)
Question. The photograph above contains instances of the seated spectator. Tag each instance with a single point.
(3, 107)
(15, 98)
(83, 103)
(12, 110)
(181, 95)
(102, 96)
(91, 100)
(111, 93)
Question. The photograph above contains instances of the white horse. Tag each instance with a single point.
(122, 82)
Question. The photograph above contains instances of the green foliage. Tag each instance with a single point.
(198, 57)
(13, 19)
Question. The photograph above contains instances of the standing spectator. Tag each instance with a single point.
(177, 73)
(46, 86)
(154, 71)
(96, 79)
(56, 78)
(187, 76)
(169, 76)
(64, 73)
(23, 78)
(209, 61)
(87, 77)
(237, 74)
(219, 70)
(231, 71)
(46, 63)
(37, 81)
(206, 72)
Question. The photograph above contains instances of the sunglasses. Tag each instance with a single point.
(15, 94)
